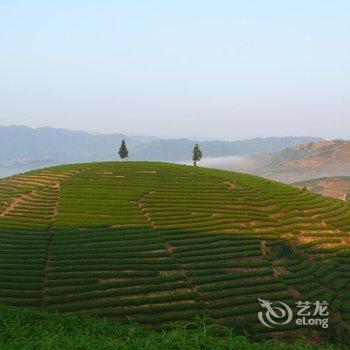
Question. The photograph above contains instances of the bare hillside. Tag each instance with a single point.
(336, 187)
(304, 162)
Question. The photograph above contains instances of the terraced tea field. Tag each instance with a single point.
(154, 243)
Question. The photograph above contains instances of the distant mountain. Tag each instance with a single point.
(304, 162)
(20, 144)
(181, 149)
(23, 148)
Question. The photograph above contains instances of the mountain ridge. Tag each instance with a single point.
(62, 145)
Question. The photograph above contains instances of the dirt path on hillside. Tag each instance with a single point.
(169, 248)
(16, 201)
(57, 186)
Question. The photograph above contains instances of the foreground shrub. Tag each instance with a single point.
(28, 330)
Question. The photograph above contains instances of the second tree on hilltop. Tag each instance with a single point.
(197, 154)
(123, 151)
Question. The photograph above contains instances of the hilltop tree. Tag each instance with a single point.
(197, 154)
(123, 151)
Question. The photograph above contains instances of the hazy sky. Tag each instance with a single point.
(185, 68)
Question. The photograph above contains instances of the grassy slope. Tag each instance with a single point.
(154, 243)
(33, 330)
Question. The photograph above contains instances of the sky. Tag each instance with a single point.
(201, 69)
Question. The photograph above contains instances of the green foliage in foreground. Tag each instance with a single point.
(26, 329)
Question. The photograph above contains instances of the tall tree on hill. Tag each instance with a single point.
(197, 154)
(123, 151)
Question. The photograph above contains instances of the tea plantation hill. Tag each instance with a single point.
(153, 243)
